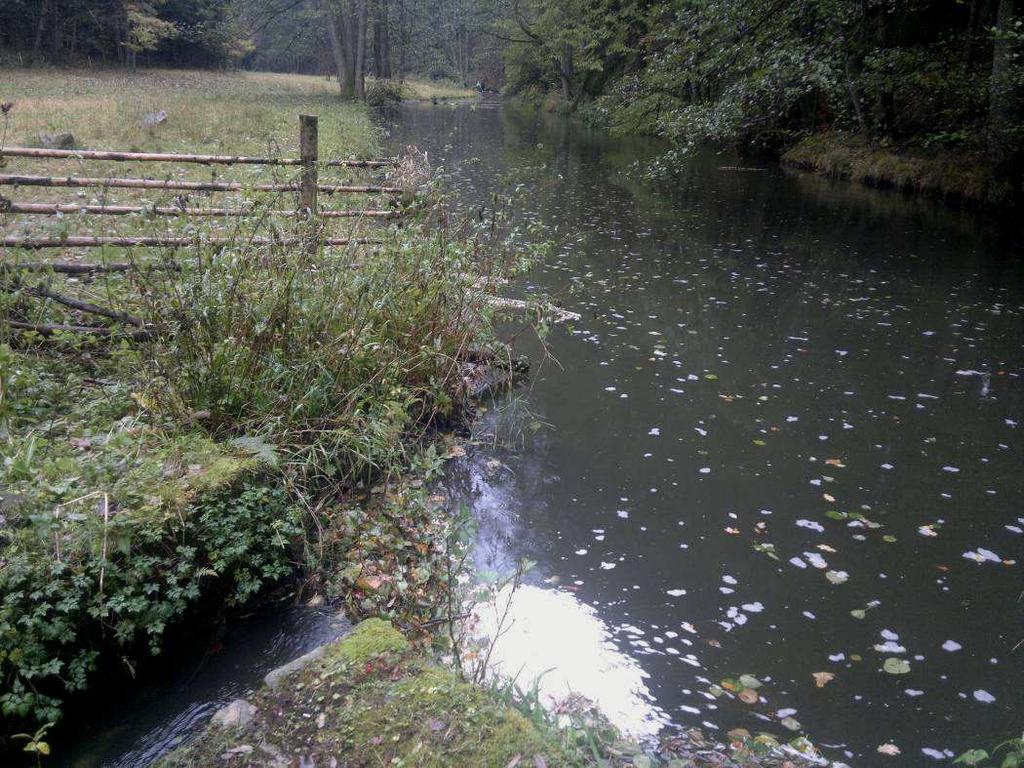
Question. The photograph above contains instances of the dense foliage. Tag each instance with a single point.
(178, 32)
(930, 73)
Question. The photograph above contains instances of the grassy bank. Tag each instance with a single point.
(222, 425)
(952, 174)
(374, 700)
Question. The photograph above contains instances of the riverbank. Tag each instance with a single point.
(373, 698)
(954, 175)
(150, 477)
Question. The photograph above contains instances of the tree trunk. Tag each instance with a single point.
(403, 40)
(360, 48)
(565, 71)
(55, 30)
(381, 41)
(40, 28)
(338, 35)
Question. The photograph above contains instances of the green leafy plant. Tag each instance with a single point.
(1012, 755)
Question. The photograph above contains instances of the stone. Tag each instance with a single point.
(275, 676)
(238, 714)
(153, 119)
(57, 140)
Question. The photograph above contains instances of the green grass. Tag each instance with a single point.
(207, 112)
(440, 90)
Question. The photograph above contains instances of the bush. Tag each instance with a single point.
(381, 93)
(72, 591)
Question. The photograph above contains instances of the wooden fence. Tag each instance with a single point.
(308, 188)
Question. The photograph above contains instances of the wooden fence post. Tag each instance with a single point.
(308, 155)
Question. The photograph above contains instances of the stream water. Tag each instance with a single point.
(785, 439)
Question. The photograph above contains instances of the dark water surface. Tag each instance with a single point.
(786, 437)
(133, 731)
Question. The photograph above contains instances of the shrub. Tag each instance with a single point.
(381, 93)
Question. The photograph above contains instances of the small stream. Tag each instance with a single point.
(784, 440)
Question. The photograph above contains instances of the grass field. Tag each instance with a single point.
(207, 112)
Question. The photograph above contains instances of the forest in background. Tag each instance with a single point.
(916, 77)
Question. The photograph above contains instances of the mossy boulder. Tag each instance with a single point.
(370, 700)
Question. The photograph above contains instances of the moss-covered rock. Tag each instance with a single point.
(373, 700)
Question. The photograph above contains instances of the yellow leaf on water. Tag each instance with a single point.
(821, 679)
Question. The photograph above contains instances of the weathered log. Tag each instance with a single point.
(82, 306)
(518, 306)
(64, 268)
(48, 329)
(51, 209)
(35, 243)
(89, 154)
(14, 180)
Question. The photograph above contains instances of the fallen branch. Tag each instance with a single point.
(48, 329)
(65, 268)
(82, 306)
(518, 306)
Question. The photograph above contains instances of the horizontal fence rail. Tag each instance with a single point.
(168, 157)
(306, 185)
(35, 243)
(15, 180)
(52, 209)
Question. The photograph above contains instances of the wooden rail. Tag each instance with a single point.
(307, 186)
(36, 243)
(168, 157)
(16, 180)
(52, 209)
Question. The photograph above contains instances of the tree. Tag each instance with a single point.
(144, 29)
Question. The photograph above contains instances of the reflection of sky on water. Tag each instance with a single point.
(548, 636)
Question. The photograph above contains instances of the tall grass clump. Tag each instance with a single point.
(338, 358)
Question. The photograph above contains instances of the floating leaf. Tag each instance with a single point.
(837, 577)
(791, 723)
(749, 696)
(821, 679)
(896, 666)
(972, 757)
(835, 514)
(888, 749)
(858, 613)
(749, 681)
